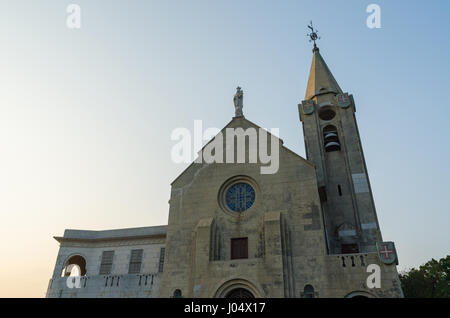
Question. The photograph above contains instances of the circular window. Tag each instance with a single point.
(327, 113)
(240, 197)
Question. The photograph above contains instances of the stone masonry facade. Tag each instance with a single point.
(308, 230)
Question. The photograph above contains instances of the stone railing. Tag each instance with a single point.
(129, 285)
(352, 260)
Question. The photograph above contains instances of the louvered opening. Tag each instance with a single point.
(331, 139)
(107, 261)
(135, 261)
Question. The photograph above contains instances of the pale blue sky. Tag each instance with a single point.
(86, 115)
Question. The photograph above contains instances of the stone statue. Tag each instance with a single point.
(238, 102)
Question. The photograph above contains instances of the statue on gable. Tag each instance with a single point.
(238, 102)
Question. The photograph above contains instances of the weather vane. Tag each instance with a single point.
(313, 37)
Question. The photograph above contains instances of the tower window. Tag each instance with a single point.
(239, 248)
(340, 190)
(161, 260)
(326, 113)
(331, 139)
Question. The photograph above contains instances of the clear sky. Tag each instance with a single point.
(86, 115)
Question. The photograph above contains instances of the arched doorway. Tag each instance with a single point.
(308, 292)
(75, 263)
(359, 294)
(238, 288)
(239, 293)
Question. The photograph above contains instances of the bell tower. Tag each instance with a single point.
(333, 144)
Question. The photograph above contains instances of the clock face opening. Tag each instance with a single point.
(240, 197)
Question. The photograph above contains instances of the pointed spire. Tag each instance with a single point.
(320, 78)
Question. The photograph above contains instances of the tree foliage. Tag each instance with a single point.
(431, 280)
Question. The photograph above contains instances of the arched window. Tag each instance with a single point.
(308, 292)
(75, 264)
(331, 139)
(177, 293)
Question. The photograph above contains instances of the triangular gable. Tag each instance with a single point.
(229, 125)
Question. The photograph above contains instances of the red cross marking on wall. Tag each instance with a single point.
(386, 251)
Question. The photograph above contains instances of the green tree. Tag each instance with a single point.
(431, 280)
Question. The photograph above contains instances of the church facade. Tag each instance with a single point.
(308, 230)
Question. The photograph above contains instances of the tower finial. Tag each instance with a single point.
(313, 36)
(238, 102)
